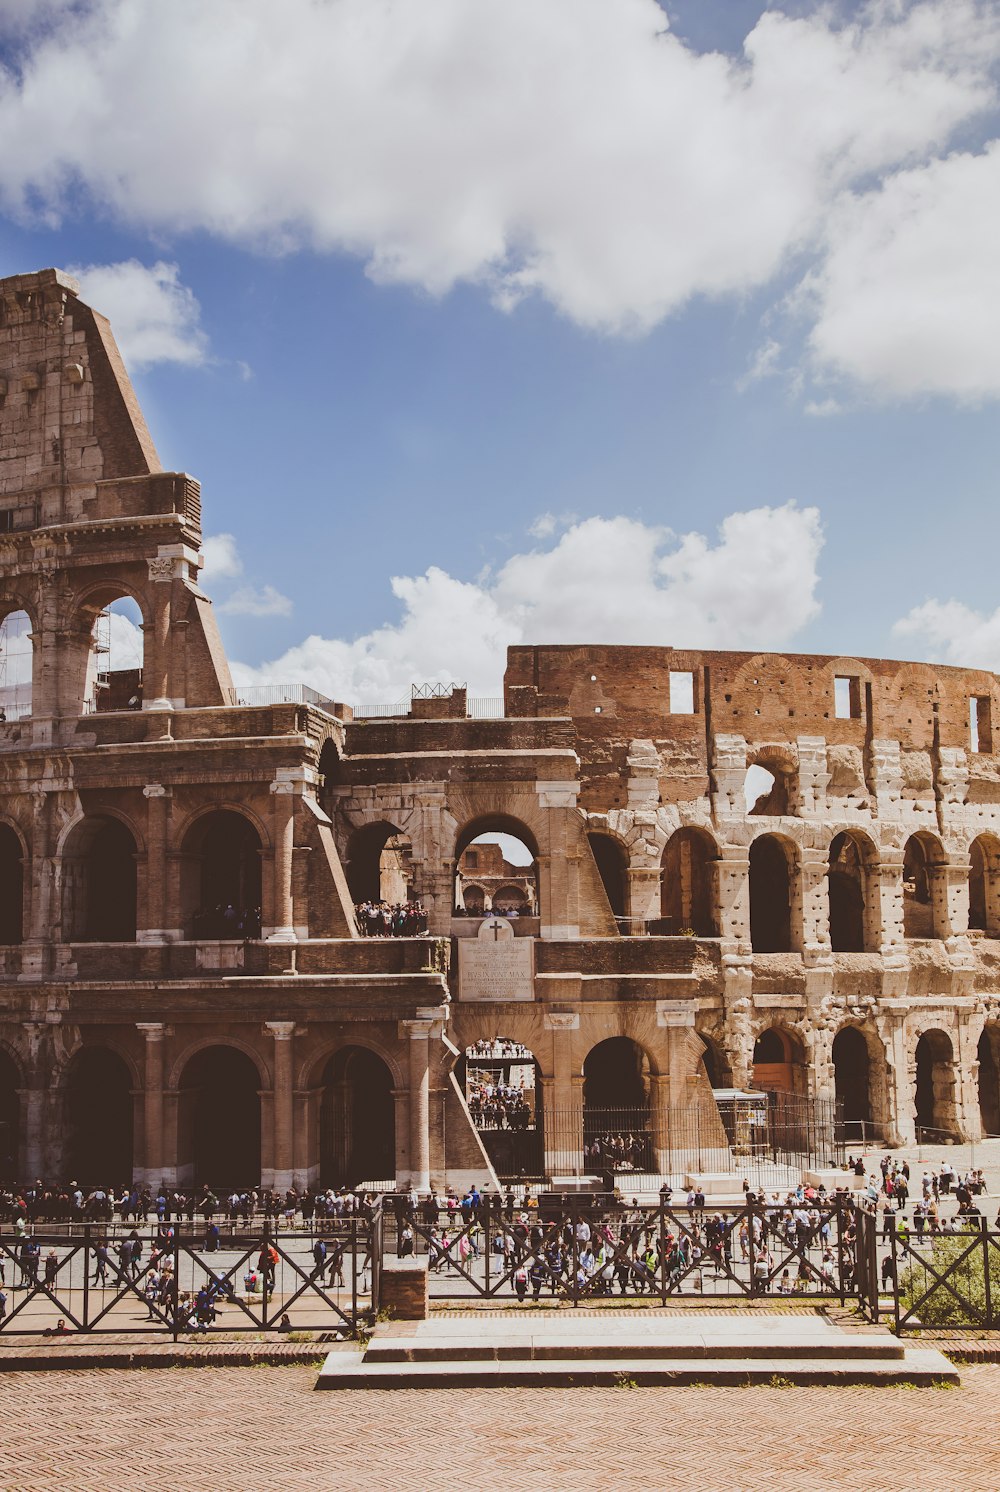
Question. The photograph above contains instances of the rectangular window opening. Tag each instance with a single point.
(681, 693)
(980, 724)
(847, 698)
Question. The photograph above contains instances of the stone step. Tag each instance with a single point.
(920, 1366)
(600, 1344)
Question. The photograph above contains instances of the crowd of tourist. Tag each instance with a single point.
(383, 919)
(500, 1048)
(27, 1206)
(497, 1105)
(618, 1152)
(226, 922)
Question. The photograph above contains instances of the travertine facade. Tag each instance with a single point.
(141, 1027)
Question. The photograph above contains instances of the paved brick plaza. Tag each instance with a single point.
(265, 1427)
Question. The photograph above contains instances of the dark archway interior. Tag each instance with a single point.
(686, 889)
(977, 888)
(98, 1119)
(716, 1068)
(935, 1084)
(847, 898)
(11, 886)
(852, 1078)
(615, 1076)
(611, 867)
(9, 1119)
(357, 1119)
(220, 1118)
(989, 1080)
(371, 875)
(770, 897)
(918, 908)
(330, 771)
(107, 907)
(225, 850)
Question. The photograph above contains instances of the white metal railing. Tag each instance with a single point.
(487, 708)
(277, 694)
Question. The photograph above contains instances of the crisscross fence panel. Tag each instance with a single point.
(252, 1280)
(585, 1250)
(945, 1280)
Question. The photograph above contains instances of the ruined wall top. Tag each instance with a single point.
(70, 422)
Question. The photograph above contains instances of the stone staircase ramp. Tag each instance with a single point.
(528, 1350)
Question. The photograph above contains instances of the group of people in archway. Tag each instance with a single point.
(382, 919)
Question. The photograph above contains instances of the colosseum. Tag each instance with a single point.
(735, 874)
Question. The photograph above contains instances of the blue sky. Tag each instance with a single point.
(509, 318)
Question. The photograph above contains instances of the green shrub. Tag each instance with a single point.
(941, 1308)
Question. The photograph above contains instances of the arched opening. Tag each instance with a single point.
(617, 1128)
(852, 1083)
(99, 882)
(218, 1119)
(98, 1118)
(935, 1088)
(10, 1112)
(473, 900)
(380, 865)
(922, 867)
(503, 1091)
(612, 868)
(16, 663)
(989, 1080)
(494, 855)
(848, 883)
(780, 1071)
(984, 885)
(713, 1061)
(357, 1119)
(687, 884)
(770, 896)
(220, 877)
(114, 667)
(11, 887)
(768, 788)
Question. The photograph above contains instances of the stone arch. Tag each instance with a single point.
(13, 908)
(935, 1087)
(781, 763)
(611, 858)
(689, 883)
(475, 899)
(100, 638)
(780, 1061)
(852, 881)
(379, 863)
(988, 1053)
(98, 1082)
(99, 855)
(240, 1043)
(311, 1069)
(984, 885)
(924, 910)
(774, 894)
(357, 1117)
(852, 1068)
(474, 828)
(715, 1062)
(219, 1116)
(505, 897)
(221, 874)
(17, 659)
(617, 1106)
(331, 770)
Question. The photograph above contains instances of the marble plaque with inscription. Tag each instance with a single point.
(496, 965)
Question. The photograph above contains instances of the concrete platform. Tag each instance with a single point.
(529, 1350)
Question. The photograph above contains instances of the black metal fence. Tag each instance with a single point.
(584, 1249)
(82, 1279)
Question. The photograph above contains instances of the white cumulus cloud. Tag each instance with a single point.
(251, 600)
(951, 632)
(607, 580)
(907, 300)
(222, 558)
(154, 317)
(574, 149)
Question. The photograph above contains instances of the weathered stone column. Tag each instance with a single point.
(734, 896)
(419, 1031)
(152, 1170)
(900, 1074)
(33, 1103)
(155, 931)
(562, 1113)
(284, 1103)
(955, 898)
(814, 936)
(156, 658)
(282, 928)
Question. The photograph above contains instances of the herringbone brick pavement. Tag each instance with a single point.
(239, 1428)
